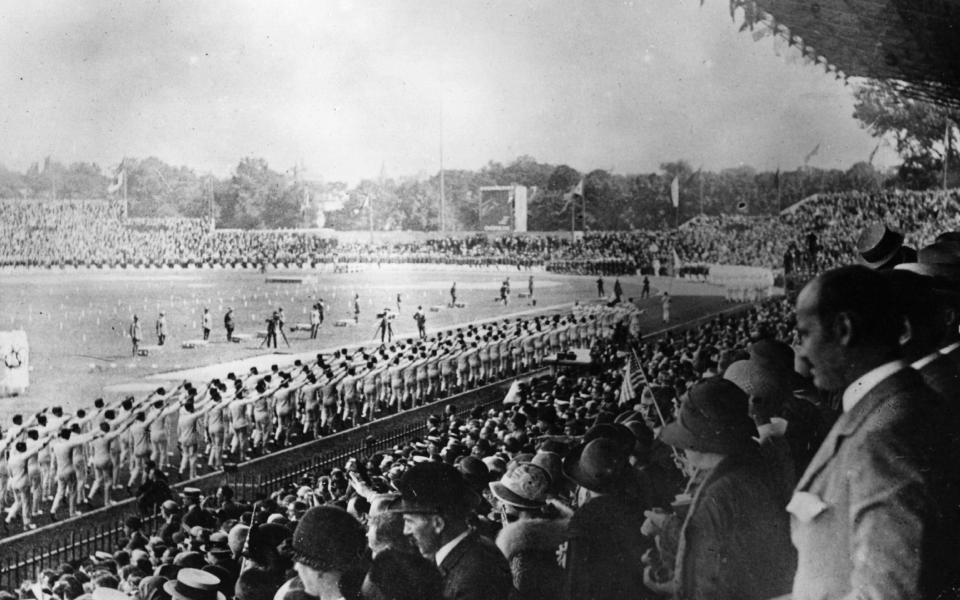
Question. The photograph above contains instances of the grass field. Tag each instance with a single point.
(77, 320)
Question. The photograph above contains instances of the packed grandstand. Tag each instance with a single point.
(818, 233)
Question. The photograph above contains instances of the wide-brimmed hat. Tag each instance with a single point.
(328, 537)
(713, 418)
(194, 584)
(524, 486)
(941, 261)
(878, 245)
(598, 465)
(433, 488)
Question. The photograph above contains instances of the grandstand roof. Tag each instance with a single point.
(914, 44)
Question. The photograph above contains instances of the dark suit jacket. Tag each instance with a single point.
(866, 513)
(476, 570)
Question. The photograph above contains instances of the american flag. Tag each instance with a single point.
(633, 378)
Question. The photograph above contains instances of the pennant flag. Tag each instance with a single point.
(569, 197)
(675, 192)
(118, 181)
(513, 394)
(813, 153)
(873, 153)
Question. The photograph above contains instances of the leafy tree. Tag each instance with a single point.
(917, 126)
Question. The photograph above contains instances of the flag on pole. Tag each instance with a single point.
(118, 180)
(675, 191)
(676, 261)
(633, 379)
(513, 394)
(569, 197)
(806, 159)
(776, 179)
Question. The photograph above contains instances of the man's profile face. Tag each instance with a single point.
(424, 531)
(818, 346)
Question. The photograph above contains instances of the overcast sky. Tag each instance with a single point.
(345, 87)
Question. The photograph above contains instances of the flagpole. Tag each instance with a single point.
(779, 201)
(701, 193)
(123, 173)
(946, 151)
(443, 199)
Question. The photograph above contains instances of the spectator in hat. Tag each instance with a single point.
(254, 584)
(766, 391)
(396, 575)
(529, 537)
(881, 248)
(151, 588)
(194, 584)
(436, 503)
(132, 529)
(170, 513)
(877, 532)
(330, 553)
(603, 545)
(734, 541)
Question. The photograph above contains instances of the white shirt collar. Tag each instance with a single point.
(869, 380)
(926, 360)
(447, 548)
(777, 427)
(950, 348)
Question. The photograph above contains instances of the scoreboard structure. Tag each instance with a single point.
(503, 208)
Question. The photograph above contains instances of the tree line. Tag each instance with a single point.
(256, 196)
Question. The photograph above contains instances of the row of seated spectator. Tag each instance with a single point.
(816, 235)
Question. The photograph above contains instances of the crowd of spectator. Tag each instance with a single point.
(813, 236)
(803, 446)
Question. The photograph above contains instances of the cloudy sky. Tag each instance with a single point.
(345, 87)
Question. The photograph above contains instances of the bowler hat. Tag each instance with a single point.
(328, 538)
(194, 584)
(524, 486)
(712, 418)
(598, 465)
(433, 488)
(878, 246)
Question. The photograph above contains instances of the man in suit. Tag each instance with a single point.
(867, 513)
(436, 503)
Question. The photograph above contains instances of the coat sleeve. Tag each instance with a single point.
(704, 563)
(890, 513)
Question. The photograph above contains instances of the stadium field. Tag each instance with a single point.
(77, 321)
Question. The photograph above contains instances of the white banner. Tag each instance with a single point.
(14, 363)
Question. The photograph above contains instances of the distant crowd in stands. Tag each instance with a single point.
(815, 236)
